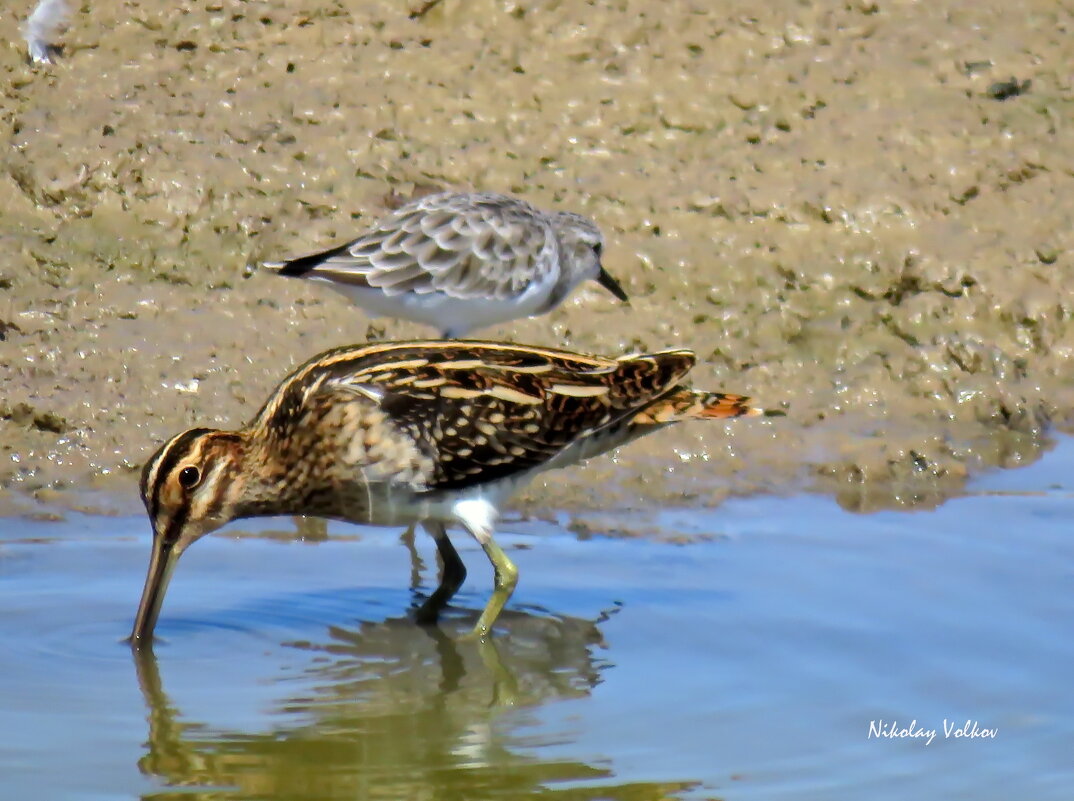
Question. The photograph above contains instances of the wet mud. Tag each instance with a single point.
(856, 214)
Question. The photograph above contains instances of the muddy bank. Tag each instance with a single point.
(834, 207)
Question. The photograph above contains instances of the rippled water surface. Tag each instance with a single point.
(747, 664)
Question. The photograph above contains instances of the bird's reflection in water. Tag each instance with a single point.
(396, 666)
(397, 711)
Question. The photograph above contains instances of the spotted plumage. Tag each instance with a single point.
(462, 261)
(438, 432)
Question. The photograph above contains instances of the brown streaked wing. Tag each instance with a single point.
(482, 420)
(482, 410)
(382, 362)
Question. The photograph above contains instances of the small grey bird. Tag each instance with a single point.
(462, 261)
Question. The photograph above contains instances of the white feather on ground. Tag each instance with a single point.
(43, 27)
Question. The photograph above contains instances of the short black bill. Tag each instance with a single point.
(605, 280)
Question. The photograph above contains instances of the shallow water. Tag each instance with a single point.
(748, 664)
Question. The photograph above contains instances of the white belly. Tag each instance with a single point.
(455, 316)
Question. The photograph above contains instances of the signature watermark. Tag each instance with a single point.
(894, 730)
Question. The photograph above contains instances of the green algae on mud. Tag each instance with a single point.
(825, 203)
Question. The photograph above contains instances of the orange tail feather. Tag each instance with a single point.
(722, 404)
(693, 403)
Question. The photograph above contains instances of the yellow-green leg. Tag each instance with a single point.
(479, 517)
(506, 578)
(453, 574)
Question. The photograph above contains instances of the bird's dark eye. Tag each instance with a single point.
(188, 477)
(598, 248)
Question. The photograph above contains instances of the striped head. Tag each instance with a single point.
(581, 247)
(190, 487)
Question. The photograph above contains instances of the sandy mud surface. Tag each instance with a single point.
(850, 211)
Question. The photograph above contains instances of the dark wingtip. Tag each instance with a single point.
(296, 268)
(604, 278)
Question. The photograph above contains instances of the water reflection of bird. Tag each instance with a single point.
(543, 656)
(391, 710)
(437, 432)
(462, 261)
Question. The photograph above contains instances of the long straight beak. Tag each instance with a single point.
(161, 565)
(605, 279)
